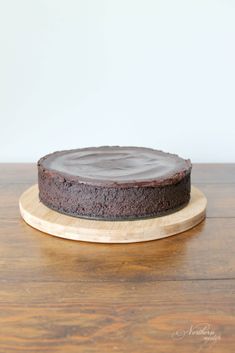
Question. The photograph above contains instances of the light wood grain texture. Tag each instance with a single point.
(42, 218)
(61, 296)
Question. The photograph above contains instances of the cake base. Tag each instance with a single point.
(37, 215)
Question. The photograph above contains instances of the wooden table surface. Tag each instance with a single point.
(171, 295)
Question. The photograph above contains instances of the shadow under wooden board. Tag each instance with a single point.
(37, 215)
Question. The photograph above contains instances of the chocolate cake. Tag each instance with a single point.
(114, 183)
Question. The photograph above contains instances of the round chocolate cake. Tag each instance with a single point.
(114, 183)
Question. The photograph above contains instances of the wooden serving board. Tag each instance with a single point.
(46, 220)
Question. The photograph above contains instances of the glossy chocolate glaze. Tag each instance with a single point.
(114, 165)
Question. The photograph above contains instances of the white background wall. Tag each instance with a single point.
(155, 73)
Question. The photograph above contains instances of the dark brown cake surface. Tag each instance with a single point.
(112, 182)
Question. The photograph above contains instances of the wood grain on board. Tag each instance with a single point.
(49, 221)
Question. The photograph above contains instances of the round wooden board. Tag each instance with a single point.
(46, 220)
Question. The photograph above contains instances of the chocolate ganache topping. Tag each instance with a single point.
(118, 166)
